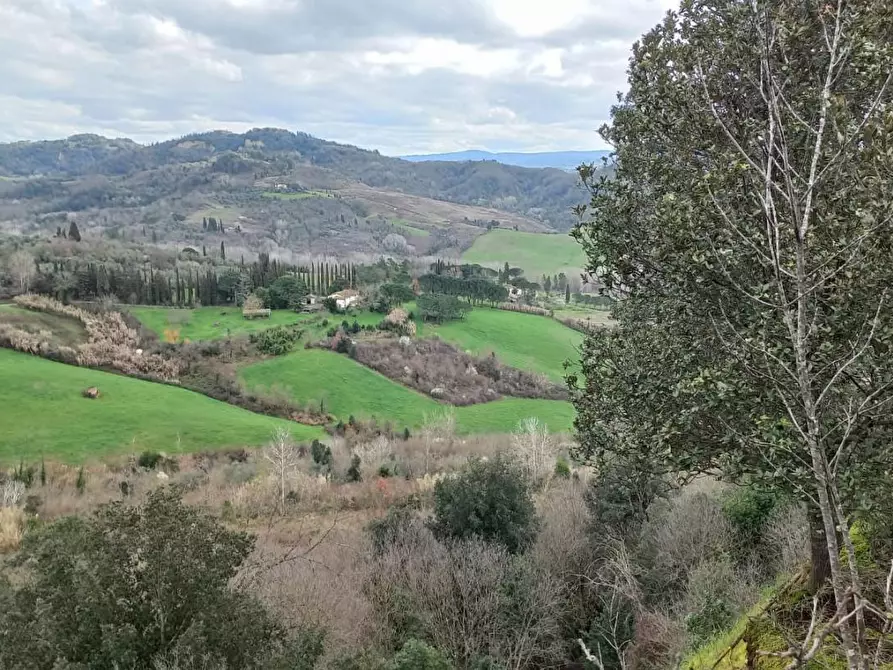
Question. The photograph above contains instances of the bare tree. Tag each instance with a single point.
(438, 426)
(22, 269)
(534, 447)
(283, 456)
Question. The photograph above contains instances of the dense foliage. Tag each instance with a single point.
(749, 232)
(135, 586)
(491, 500)
(439, 307)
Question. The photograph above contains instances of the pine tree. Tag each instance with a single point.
(74, 233)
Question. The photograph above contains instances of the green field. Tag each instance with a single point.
(347, 388)
(536, 253)
(409, 228)
(42, 414)
(209, 323)
(525, 341)
(279, 195)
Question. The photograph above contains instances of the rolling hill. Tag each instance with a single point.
(88, 171)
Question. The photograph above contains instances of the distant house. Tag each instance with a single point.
(514, 293)
(310, 299)
(346, 298)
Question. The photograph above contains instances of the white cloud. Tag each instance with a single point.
(403, 76)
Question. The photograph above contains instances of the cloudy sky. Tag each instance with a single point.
(402, 76)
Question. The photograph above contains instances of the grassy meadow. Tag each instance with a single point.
(347, 388)
(209, 323)
(42, 414)
(303, 195)
(524, 341)
(536, 253)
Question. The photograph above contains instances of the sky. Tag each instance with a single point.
(400, 76)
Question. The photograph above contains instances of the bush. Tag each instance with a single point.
(749, 511)
(322, 456)
(353, 472)
(562, 468)
(276, 341)
(148, 460)
(137, 614)
(715, 617)
(416, 655)
(490, 500)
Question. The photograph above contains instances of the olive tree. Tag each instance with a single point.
(748, 229)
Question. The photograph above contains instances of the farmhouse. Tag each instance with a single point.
(514, 293)
(346, 298)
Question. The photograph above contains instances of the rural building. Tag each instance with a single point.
(514, 293)
(346, 298)
(310, 299)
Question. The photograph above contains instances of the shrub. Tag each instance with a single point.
(276, 341)
(715, 617)
(148, 460)
(490, 500)
(562, 468)
(25, 474)
(416, 655)
(174, 603)
(322, 456)
(353, 472)
(749, 510)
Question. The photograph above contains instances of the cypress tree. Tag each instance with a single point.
(222, 250)
(567, 294)
(74, 233)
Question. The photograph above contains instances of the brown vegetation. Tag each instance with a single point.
(111, 343)
(438, 369)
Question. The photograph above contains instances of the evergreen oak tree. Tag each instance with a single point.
(749, 229)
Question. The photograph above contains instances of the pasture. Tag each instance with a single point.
(346, 388)
(536, 253)
(524, 341)
(42, 414)
(209, 323)
(303, 195)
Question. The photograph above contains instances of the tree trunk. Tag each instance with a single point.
(820, 563)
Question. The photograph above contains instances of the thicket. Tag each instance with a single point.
(437, 368)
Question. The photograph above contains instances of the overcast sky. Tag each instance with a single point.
(401, 76)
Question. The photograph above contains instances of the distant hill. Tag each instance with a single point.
(561, 160)
(543, 195)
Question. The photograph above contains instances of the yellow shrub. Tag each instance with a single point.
(12, 524)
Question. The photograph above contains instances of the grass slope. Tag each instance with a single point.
(209, 323)
(524, 341)
(66, 332)
(42, 413)
(537, 254)
(347, 388)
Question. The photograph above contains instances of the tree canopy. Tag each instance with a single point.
(748, 227)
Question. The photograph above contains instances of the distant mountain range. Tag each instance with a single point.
(562, 160)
